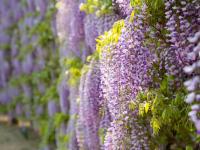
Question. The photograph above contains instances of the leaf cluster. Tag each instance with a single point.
(99, 7)
(110, 37)
(167, 115)
(74, 66)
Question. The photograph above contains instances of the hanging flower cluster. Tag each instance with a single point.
(89, 115)
(182, 22)
(192, 84)
(103, 82)
(95, 26)
(126, 65)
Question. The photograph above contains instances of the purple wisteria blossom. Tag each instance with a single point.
(182, 22)
(89, 107)
(63, 91)
(123, 7)
(52, 108)
(95, 26)
(124, 68)
(193, 83)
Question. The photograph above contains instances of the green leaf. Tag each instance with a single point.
(155, 124)
(141, 109)
(146, 107)
(188, 147)
(132, 106)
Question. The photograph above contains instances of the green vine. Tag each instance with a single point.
(165, 112)
(99, 7)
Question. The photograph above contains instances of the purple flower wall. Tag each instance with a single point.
(75, 74)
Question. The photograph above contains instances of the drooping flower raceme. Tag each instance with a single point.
(95, 26)
(70, 29)
(63, 91)
(52, 108)
(127, 63)
(89, 106)
(193, 83)
(182, 22)
(91, 33)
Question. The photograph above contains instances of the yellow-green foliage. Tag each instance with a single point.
(47, 130)
(135, 3)
(74, 66)
(99, 7)
(155, 13)
(59, 118)
(155, 9)
(50, 94)
(110, 37)
(166, 113)
(154, 4)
